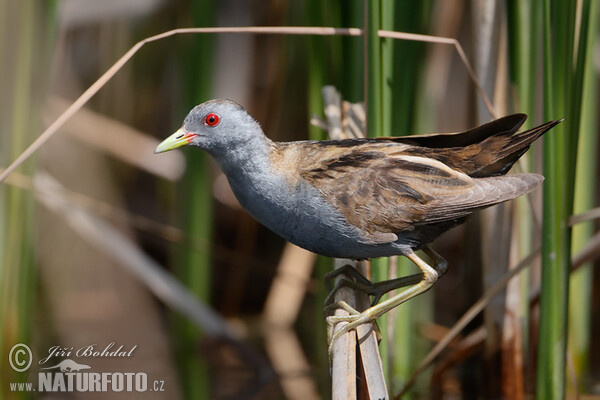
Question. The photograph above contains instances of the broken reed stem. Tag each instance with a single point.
(344, 358)
(274, 30)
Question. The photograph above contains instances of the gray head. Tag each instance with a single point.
(217, 126)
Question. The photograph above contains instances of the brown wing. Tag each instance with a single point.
(384, 193)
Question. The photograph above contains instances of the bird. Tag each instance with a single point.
(363, 198)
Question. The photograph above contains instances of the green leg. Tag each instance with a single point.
(428, 279)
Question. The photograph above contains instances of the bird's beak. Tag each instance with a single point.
(178, 139)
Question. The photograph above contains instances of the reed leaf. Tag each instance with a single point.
(565, 53)
(375, 124)
(25, 50)
(580, 291)
(353, 56)
(524, 35)
(195, 206)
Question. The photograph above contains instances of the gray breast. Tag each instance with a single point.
(300, 215)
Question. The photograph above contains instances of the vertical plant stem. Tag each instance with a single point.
(524, 29)
(24, 50)
(375, 125)
(316, 67)
(17, 270)
(195, 207)
(402, 65)
(373, 88)
(352, 67)
(387, 68)
(555, 239)
(392, 81)
(563, 86)
(389, 347)
(580, 291)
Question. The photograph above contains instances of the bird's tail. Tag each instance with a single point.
(501, 152)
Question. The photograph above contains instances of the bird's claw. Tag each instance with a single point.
(350, 322)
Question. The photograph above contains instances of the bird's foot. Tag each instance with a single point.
(418, 283)
(348, 323)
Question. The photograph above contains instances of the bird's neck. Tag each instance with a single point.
(247, 161)
(255, 183)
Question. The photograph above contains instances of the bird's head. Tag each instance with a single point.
(215, 126)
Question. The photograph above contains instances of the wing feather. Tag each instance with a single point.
(384, 193)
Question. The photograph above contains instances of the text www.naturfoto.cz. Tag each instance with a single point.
(88, 382)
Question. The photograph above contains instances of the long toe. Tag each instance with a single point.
(351, 322)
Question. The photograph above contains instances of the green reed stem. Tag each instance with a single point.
(564, 62)
(580, 291)
(194, 208)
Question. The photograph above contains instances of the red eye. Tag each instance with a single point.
(211, 120)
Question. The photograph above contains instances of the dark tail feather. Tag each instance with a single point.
(524, 139)
(515, 147)
(502, 126)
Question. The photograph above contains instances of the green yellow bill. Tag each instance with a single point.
(178, 139)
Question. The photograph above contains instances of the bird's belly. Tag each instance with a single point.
(321, 237)
(304, 218)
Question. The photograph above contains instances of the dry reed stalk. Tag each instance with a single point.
(344, 358)
(321, 31)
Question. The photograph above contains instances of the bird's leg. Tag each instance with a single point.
(381, 288)
(377, 289)
(428, 279)
(346, 269)
(359, 282)
(439, 264)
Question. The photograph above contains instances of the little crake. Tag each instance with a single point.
(363, 198)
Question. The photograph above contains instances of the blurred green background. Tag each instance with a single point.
(90, 225)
